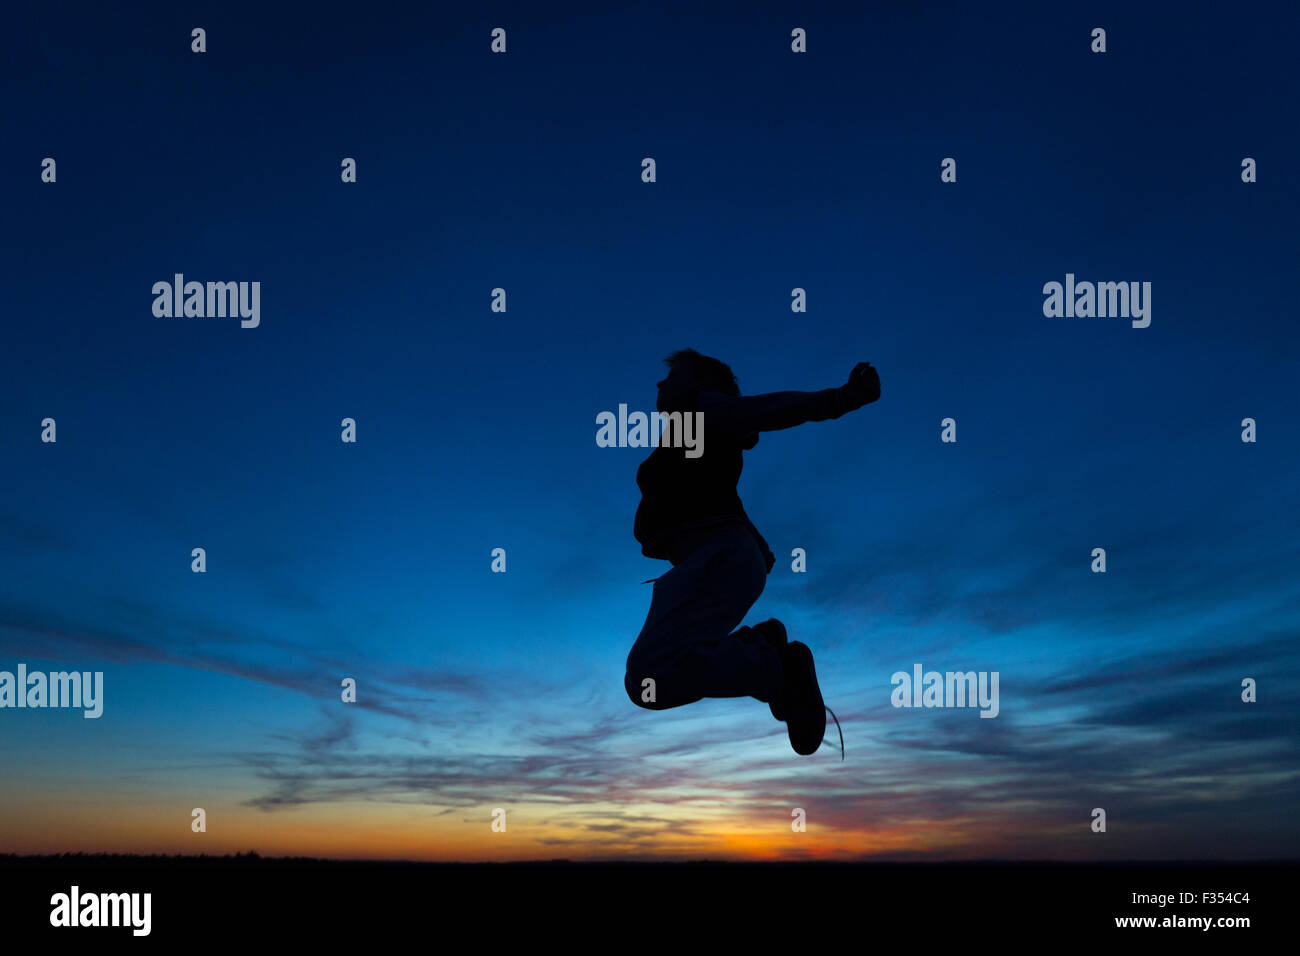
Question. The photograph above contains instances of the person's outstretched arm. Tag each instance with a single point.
(776, 410)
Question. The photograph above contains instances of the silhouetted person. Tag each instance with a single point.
(691, 515)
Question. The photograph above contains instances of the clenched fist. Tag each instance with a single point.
(864, 383)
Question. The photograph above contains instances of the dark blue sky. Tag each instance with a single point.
(476, 429)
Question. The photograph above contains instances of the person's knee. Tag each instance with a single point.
(640, 687)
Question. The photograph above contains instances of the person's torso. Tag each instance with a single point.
(683, 500)
(676, 486)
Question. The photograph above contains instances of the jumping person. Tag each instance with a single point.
(691, 515)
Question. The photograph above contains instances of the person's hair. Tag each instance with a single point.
(709, 374)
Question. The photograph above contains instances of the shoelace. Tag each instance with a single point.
(837, 727)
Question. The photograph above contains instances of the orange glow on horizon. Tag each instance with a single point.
(409, 832)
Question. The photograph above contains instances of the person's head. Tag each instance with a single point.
(690, 373)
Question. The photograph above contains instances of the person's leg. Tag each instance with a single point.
(687, 646)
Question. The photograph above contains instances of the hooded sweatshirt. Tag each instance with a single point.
(684, 499)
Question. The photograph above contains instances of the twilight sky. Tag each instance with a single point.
(476, 429)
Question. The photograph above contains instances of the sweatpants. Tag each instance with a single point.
(689, 645)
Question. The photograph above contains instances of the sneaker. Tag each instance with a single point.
(805, 711)
(773, 632)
